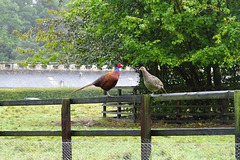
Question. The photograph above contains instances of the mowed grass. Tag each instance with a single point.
(24, 118)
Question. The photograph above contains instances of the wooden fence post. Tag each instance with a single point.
(66, 130)
(145, 127)
(135, 107)
(237, 123)
(224, 110)
(178, 111)
(119, 109)
(104, 107)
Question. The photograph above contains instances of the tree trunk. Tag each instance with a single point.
(195, 76)
(216, 76)
(209, 77)
(185, 76)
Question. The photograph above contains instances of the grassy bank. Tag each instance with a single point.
(83, 116)
(89, 116)
(48, 118)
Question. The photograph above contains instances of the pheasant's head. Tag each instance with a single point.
(142, 69)
(119, 65)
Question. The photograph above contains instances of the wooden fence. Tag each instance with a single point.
(145, 132)
(219, 111)
(121, 111)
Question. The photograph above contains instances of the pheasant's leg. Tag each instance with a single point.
(108, 94)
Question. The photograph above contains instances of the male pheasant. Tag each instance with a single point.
(151, 82)
(106, 81)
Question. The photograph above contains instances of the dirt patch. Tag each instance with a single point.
(109, 123)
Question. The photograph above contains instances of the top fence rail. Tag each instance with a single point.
(127, 98)
(194, 95)
(124, 98)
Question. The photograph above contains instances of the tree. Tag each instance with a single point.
(44, 14)
(194, 42)
(8, 21)
(20, 16)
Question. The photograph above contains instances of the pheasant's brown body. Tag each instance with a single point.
(151, 82)
(106, 81)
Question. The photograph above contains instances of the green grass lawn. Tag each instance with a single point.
(23, 118)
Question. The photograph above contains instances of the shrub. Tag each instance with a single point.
(54, 93)
(47, 93)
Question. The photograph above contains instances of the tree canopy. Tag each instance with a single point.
(192, 42)
(20, 15)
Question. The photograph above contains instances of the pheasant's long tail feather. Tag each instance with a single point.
(164, 90)
(80, 89)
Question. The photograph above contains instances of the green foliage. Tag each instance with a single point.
(9, 20)
(53, 93)
(18, 17)
(47, 93)
(163, 32)
(194, 40)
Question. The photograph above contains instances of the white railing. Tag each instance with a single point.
(54, 66)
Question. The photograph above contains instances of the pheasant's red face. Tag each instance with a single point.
(119, 65)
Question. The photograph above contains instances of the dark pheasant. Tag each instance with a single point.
(151, 82)
(106, 81)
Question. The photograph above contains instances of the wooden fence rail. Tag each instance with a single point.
(146, 132)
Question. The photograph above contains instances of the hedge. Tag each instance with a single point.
(52, 93)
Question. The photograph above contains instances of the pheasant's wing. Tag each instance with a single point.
(101, 80)
(158, 84)
(155, 81)
(107, 81)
